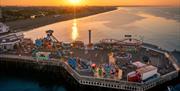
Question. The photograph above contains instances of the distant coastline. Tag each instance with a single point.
(28, 24)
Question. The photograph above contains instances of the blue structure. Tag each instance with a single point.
(107, 69)
(38, 42)
(72, 62)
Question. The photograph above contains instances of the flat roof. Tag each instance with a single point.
(146, 69)
(10, 38)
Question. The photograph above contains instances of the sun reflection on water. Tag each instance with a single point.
(75, 33)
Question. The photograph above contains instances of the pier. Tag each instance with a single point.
(88, 80)
(127, 64)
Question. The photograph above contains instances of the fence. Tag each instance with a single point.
(93, 81)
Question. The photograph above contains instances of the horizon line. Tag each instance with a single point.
(90, 5)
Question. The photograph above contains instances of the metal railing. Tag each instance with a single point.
(89, 80)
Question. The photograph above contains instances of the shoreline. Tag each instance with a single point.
(28, 24)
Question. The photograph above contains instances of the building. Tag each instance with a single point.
(10, 41)
(3, 28)
(33, 16)
(130, 44)
(147, 71)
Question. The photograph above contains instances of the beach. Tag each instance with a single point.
(28, 24)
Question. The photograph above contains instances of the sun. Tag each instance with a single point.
(74, 1)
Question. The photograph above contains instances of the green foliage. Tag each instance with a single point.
(18, 13)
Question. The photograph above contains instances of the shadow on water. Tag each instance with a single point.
(48, 81)
(30, 82)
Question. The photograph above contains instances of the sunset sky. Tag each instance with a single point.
(89, 2)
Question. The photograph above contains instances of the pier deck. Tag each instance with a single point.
(103, 82)
(101, 57)
(162, 61)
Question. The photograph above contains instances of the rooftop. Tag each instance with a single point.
(10, 38)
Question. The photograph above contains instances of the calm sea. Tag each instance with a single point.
(159, 26)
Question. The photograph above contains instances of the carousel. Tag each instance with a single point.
(109, 43)
(130, 44)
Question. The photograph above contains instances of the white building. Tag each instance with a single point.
(3, 28)
(10, 41)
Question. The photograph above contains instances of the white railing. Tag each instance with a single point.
(112, 83)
